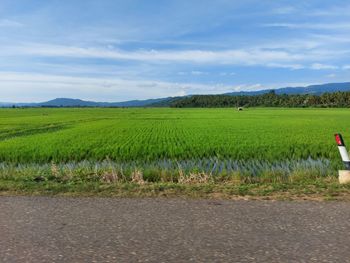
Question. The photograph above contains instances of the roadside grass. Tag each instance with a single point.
(59, 180)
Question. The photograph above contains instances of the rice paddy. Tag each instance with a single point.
(84, 146)
(66, 135)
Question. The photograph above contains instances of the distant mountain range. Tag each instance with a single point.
(313, 89)
(66, 102)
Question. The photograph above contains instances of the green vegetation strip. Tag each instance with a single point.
(152, 135)
(54, 180)
(317, 190)
(271, 99)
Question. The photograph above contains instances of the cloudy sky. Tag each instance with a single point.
(115, 50)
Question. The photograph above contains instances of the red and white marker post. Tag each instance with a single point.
(344, 175)
(343, 152)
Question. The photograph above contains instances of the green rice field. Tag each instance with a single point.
(154, 135)
(83, 149)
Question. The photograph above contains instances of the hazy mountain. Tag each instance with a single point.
(163, 102)
(65, 102)
(140, 103)
(313, 89)
(3, 104)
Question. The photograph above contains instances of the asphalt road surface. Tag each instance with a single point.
(43, 229)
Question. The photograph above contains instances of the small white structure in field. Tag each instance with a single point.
(344, 175)
(240, 109)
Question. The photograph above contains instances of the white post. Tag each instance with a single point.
(344, 175)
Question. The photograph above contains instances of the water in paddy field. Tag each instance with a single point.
(213, 166)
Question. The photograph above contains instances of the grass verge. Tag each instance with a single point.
(59, 180)
(320, 189)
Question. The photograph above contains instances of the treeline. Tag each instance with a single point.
(271, 99)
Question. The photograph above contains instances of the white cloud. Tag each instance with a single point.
(197, 73)
(9, 23)
(288, 66)
(28, 87)
(346, 67)
(275, 57)
(36, 87)
(182, 73)
(336, 10)
(227, 74)
(319, 66)
(181, 93)
(323, 26)
(249, 87)
(284, 10)
(249, 56)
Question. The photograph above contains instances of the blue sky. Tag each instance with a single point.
(111, 50)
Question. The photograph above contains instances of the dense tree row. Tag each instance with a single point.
(337, 99)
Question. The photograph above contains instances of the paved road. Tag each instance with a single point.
(43, 229)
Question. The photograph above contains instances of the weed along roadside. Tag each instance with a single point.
(110, 179)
